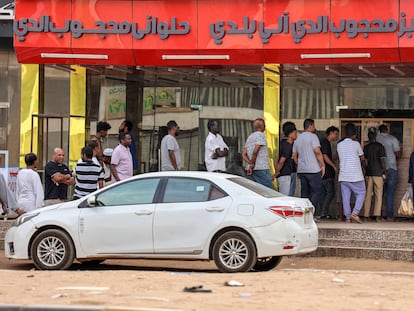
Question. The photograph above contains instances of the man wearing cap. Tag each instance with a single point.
(170, 151)
(107, 154)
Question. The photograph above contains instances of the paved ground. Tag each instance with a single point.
(297, 284)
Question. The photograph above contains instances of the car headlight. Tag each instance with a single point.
(23, 218)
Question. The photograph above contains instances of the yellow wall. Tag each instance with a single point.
(272, 111)
(77, 114)
(29, 106)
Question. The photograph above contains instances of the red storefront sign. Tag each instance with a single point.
(179, 32)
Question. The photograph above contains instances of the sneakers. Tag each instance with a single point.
(356, 218)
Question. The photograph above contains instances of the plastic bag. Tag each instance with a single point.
(406, 205)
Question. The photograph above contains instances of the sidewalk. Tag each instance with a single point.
(72, 308)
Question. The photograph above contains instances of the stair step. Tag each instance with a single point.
(368, 234)
(369, 253)
(333, 242)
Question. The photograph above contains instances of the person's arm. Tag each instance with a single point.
(295, 157)
(100, 183)
(254, 155)
(279, 166)
(329, 162)
(398, 154)
(114, 172)
(362, 159)
(3, 206)
(40, 194)
(60, 178)
(221, 153)
(318, 154)
(245, 156)
(171, 154)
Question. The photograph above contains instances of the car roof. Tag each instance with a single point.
(194, 174)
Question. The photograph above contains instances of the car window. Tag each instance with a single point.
(191, 190)
(139, 191)
(256, 187)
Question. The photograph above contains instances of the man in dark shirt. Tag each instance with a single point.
(375, 171)
(126, 126)
(285, 171)
(57, 178)
(328, 180)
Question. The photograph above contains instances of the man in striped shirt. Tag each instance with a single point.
(351, 177)
(89, 175)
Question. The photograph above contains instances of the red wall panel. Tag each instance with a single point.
(132, 32)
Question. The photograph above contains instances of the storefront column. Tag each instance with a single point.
(77, 114)
(272, 111)
(134, 110)
(30, 94)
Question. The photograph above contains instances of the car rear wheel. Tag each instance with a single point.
(52, 250)
(234, 251)
(267, 263)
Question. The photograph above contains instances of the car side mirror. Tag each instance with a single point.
(92, 200)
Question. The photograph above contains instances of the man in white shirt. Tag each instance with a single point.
(216, 149)
(29, 189)
(350, 176)
(170, 151)
(308, 157)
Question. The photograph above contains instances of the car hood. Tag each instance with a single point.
(51, 207)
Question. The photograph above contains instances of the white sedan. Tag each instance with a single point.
(238, 223)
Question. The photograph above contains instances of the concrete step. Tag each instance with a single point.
(368, 253)
(367, 243)
(391, 241)
(380, 234)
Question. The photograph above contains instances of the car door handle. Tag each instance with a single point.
(215, 209)
(143, 212)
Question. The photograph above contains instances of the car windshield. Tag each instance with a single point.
(256, 187)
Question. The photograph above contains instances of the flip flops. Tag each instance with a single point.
(197, 289)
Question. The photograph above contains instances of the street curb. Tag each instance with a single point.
(14, 307)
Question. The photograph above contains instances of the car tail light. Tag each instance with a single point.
(286, 211)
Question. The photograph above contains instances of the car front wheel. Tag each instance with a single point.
(234, 251)
(267, 263)
(52, 250)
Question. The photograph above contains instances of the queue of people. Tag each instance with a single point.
(365, 174)
(96, 168)
(362, 173)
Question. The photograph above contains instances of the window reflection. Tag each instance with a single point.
(191, 190)
(135, 192)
